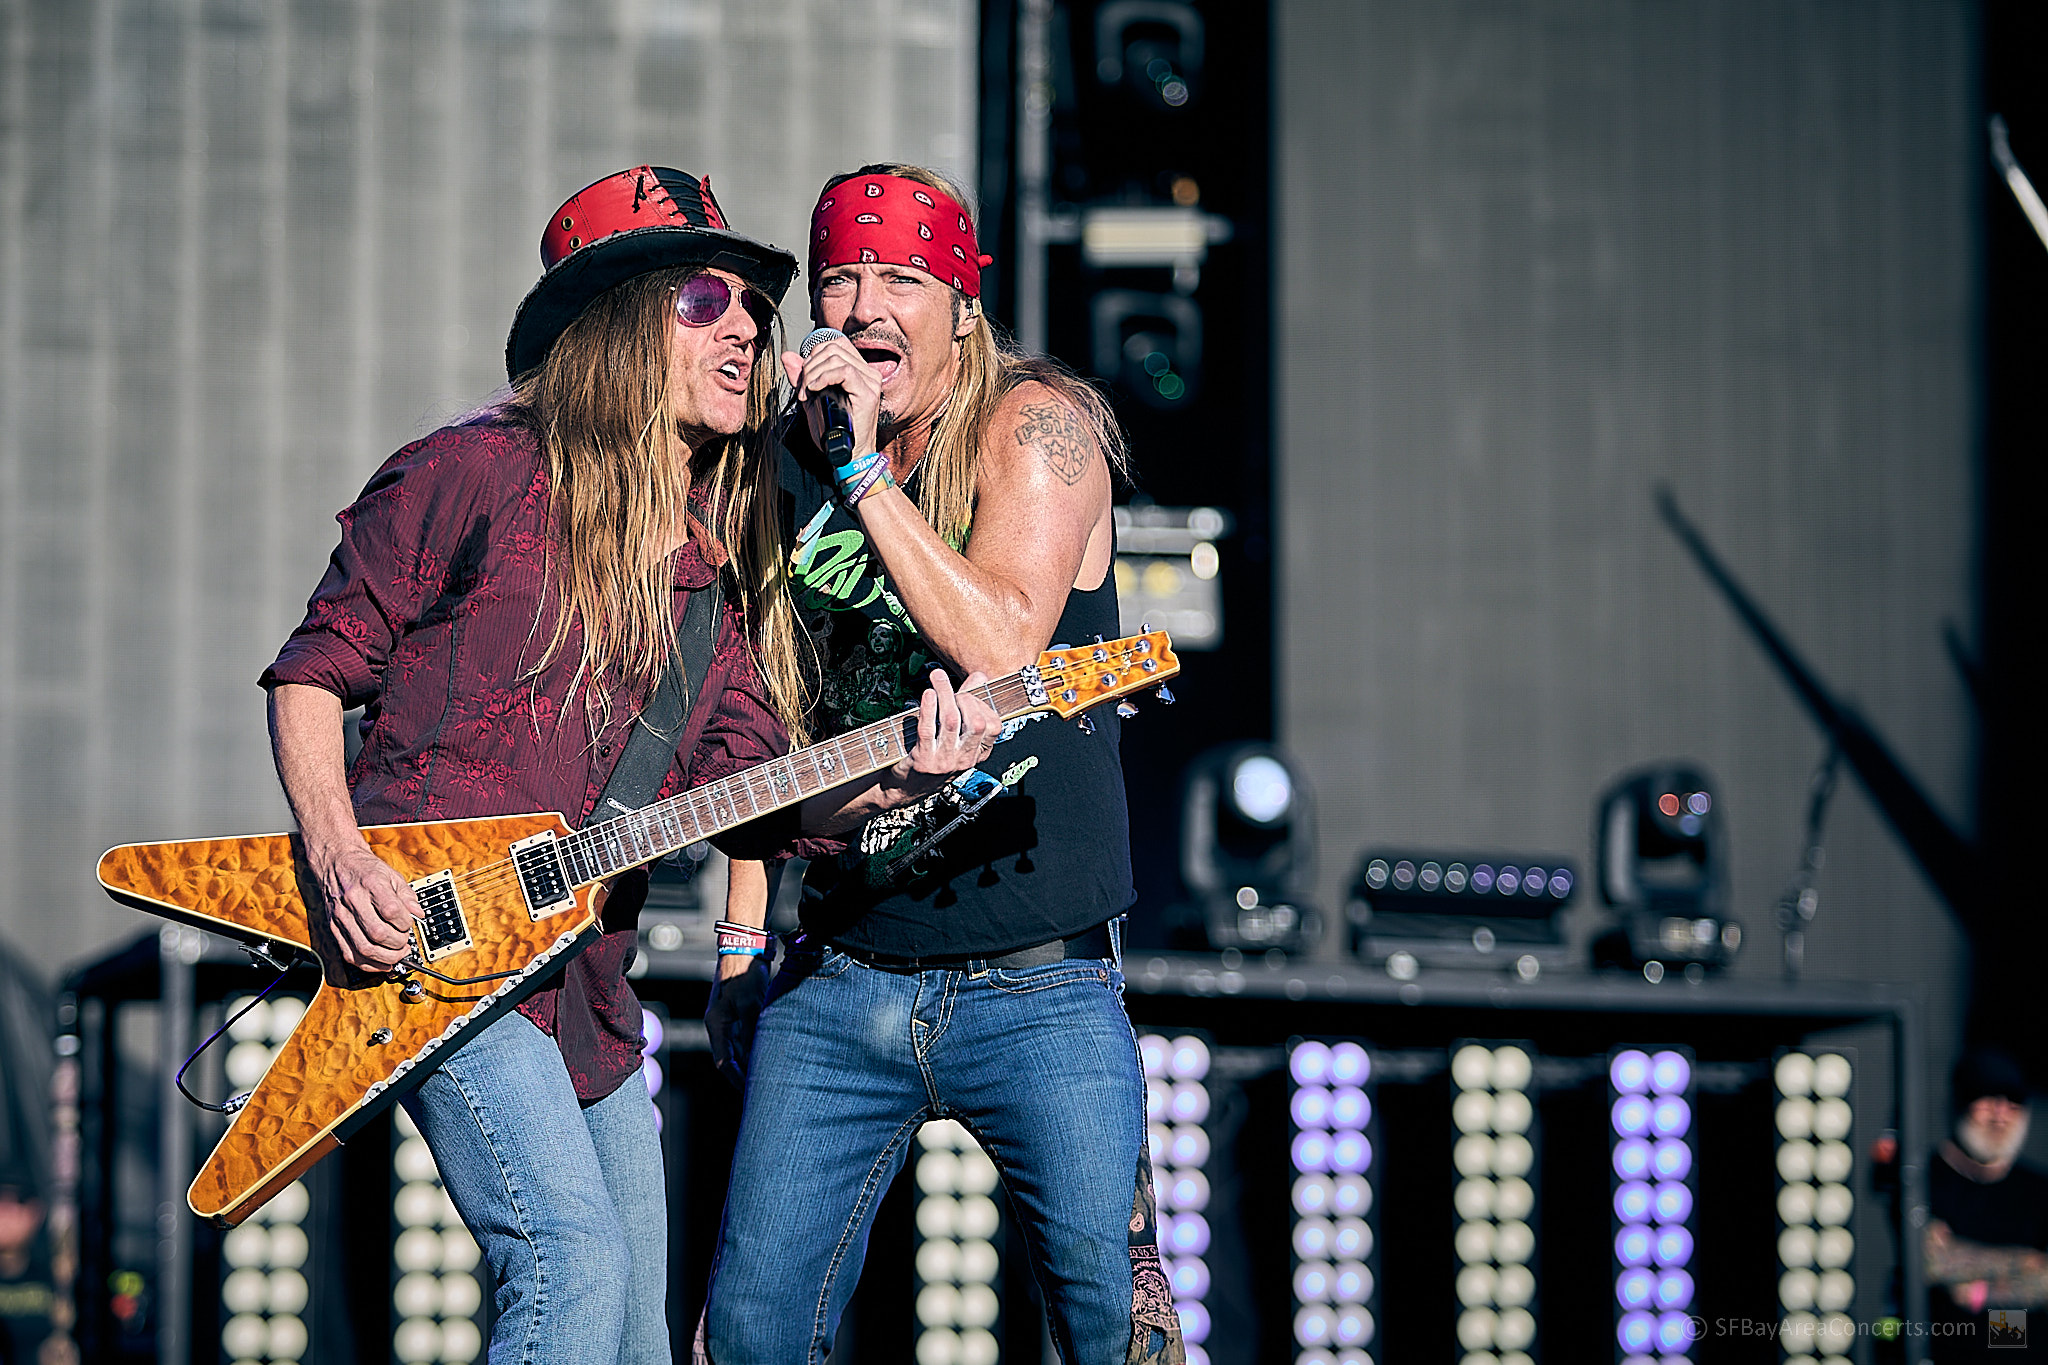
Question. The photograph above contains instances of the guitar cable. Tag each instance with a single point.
(234, 1102)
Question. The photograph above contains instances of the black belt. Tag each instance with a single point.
(1090, 943)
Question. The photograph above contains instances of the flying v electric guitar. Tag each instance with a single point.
(508, 901)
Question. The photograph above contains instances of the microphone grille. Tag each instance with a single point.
(816, 338)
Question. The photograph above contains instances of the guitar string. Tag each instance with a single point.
(588, 845)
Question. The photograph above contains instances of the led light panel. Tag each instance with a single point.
(1177, 1114)
(1652, 1148)
(958, 1268)
(1816, 1170)
(1336, 1254)
(1493, 1156)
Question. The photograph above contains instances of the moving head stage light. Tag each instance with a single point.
(1662, 861)
(1247, 853)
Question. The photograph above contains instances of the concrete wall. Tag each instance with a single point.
(1537, 256)
(249, 248)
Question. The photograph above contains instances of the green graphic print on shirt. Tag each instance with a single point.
(876, 665)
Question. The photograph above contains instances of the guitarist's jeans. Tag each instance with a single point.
(850, 1060)
(566, 1203)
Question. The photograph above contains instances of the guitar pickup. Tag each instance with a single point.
(542, 880)
(444, 930)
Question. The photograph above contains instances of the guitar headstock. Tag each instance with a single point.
(1078, 678)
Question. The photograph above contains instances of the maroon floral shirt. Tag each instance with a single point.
(429, 617)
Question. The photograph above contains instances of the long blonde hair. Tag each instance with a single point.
(620, 475)
(991, 365)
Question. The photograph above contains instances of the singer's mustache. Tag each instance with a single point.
(877, 334)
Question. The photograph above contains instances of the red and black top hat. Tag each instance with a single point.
(646, 218)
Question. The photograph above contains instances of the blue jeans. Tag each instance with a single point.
(850, 1060)
(567, 1202)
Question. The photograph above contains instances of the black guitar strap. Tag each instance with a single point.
(651, 747)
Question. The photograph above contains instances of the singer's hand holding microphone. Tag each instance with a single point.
(842, 398)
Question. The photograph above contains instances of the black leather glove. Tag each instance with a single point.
(730, 1016)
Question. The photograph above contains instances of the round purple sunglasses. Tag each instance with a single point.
(702, 300)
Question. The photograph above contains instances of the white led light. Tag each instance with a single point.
(1797, 1289)
(1472, 1067)
(417, 1341)
(417, 1249)
(938, 1173)
(247, 1245)
(1796, 1203)
(1813, 1214)
(1473, 1198)
(938, 1305)
(1516, 1286)
(1831, 1118)
(461, 1296)
(461, 1341)
(412, 1161)
(1512, 1112)
(291, 1204)
(459, 1250)
(938, 1215)
(245, 1291)
(1512, 1068)
(1476, 1285)
(287, 1337)
(285, 1013)
(1472, 1111)
(1513, 1155)
(1835, 1291)
(1514, 1242)
(1832, 1205)
(1795, 1161)
(1474, 1242)
(417, 1295)
(1473, 1155)
(288, 1292)
(1795, 1117)
(1476, 1327)
(1513, 1197)
(246, 1063)
(1794, 1074)
(1832, 1161)
(251, 1027)
(1795, 1246)
(245, 1334)
(1831, 1074)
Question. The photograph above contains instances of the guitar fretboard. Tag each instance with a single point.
(655, 831)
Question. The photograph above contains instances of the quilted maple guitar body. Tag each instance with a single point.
(359, 1047)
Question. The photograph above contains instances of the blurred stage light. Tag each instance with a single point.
(1661, 870)
(956, 1263)
(436, 1295)
(1493, 1203)
(1459, 911)
(1177, 1070)
(1651, 1154)
(1247, 853)
(263, 1291)
(1335, 1260)
(1816, 1249)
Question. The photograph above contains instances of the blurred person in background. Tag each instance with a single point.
(1986, 1246)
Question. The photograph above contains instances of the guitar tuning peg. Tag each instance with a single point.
(1165, 695)
(1086, 725)
(1098, 639)
(1124, 710)
(1144, 627)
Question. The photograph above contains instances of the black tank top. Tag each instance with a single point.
(1049, 854)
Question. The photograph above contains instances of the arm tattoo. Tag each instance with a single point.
(1059, 437)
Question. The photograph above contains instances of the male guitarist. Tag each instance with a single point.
(506, 595)
(958, 956)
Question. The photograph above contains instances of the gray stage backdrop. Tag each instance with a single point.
(1537, 257)
(249, 247)
(1533, 258)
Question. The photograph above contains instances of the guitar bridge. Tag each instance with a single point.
(542, 880)
(444, 930)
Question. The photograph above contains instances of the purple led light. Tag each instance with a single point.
(1194, 1322)
(1669, 1073)
(1670, 1117)
(1349, 1064)
(1351, 1195)
(1673, 1159)
(1349, 1108)
(1674, 1247)
(1311, 1151)
(1350, 1153)
(1630, 1072)
(650, 1026)
(1310, 1064)
(653, 1070)
(1353, 1326)
(1190, 1234)
(1310, 1107)
(1190, 1278)
(1190, 1102)
(1672, 1202)
(1508, 881)
(1312, 1324)
(1635, 1288)
(1674, 1290)
(1560, 884)
(1482, 878)
(1633, 1201)
(1532, 881)
(1631, 1158)
(1674, 1332)
(1353, 1283)
(1630, 1116)
(1311, 1195)
(1633, 1245)
(1636, 1331)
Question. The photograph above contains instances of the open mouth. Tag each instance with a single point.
(886, 360)
(734, 373)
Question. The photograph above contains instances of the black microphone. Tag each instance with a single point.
(838, 423)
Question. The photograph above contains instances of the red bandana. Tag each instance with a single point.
(903, 222)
